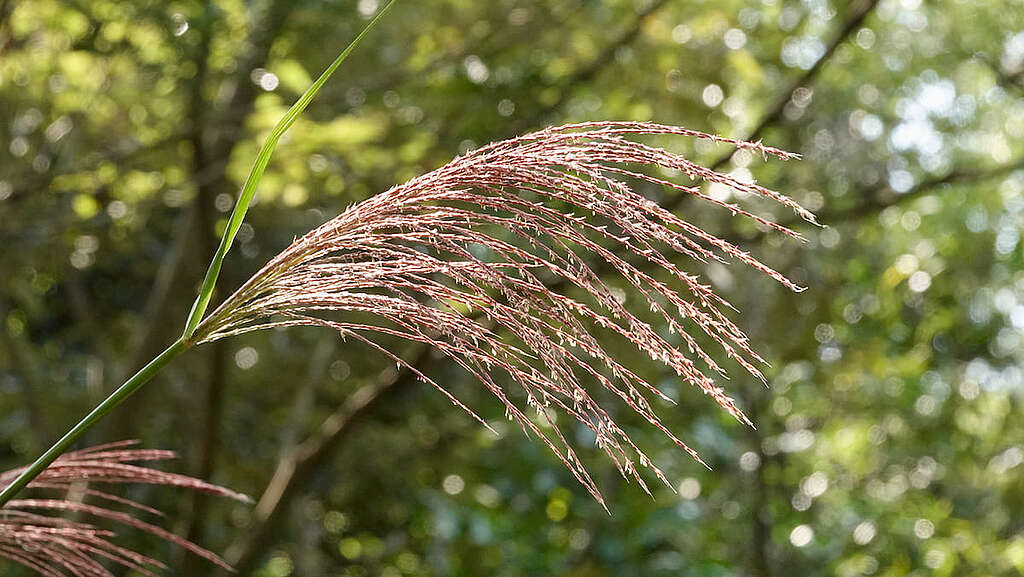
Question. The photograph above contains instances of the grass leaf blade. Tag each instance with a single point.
(256, 174)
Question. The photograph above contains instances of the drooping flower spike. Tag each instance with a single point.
(464, 259)
(34, 534)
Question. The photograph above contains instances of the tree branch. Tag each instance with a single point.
(774, 114)
(293, 474)
(6, 8)
(760, 522)
(881, 197)
(497, 42)
(596, 66)
(206, 454)
(22, 364)
(585, 74)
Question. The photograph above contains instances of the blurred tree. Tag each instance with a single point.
(890, 441)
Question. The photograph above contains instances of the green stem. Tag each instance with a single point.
(116, 398)
(256, 173)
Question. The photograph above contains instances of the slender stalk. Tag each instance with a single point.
(116, 398)
(256, 173)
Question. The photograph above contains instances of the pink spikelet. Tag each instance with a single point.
(33, 533)
(465, 258)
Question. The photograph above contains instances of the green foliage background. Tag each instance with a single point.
(890, 442)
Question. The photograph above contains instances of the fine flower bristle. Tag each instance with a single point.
(34, 534)
(464, 259)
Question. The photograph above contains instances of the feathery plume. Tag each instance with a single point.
(464, 259)
(33, 534)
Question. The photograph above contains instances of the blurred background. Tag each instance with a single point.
(889, 442)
